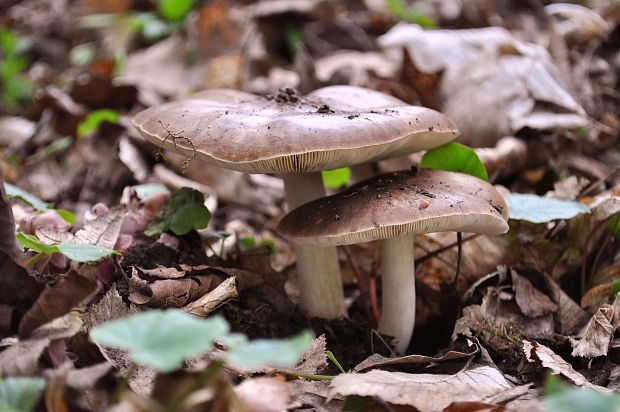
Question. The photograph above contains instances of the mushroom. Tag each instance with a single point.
(296, 137)
(393, 207)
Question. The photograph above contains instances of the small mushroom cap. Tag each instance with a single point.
(332, 127)
(399, 203)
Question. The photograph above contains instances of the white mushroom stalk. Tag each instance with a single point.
(398, 290)
(318, 269)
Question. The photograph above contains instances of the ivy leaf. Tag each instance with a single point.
(161, 339)
(455, 157)
(184, 211)
(538, 209)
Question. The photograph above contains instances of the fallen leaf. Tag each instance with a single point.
(109, 307)
(596, 336)
(531, 301)
(412, 361)
(210, 301)
(56, 300)
(545, 357)
(22, 358)
(425, 392)
(314, 359)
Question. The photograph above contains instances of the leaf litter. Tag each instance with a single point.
(534, 87)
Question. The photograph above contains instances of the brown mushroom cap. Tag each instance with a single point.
(394, 204)
(332, 127)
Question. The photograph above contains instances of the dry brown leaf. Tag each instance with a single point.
(102, 231)
(314, 394)
(378, 361)
(578, 24)
(164, 273)
(531, 301)
(22, 358)
(212, 300)
(313, 360)
(425, 392)
(545, 357)
(490, 93)
(596, 336)
(56, 301)
(110, 307)
(264, 394)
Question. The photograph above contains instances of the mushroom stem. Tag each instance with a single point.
(318, 270)
(398, 290)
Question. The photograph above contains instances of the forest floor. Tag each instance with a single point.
(107, 238)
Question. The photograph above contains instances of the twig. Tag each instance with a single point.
(444, 248)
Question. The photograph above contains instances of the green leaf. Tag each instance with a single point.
(537, 209)
(82, 54)
(330, 355)
(270, 352)
(614, 225)
(84, 253)
(190, 216)
(94, 119)
(579, 399)
(20, 394)
(76, 252)
(337, 178)
(455, 157)
(161, 339)
(16, 192)
(175, 10)
(33, 243)
(184, 211)
(615, 287)
(400, 10)
(246, 243)
(67, 216)
(149, 189)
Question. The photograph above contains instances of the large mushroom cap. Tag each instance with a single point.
(394, 204)
(332, 127)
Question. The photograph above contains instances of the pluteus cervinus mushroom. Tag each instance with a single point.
(393, 207)
(297, 137)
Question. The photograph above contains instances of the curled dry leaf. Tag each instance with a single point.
(167, 292)
(596, 336)
(57, 300)
(22, 358)
(413, 361)
(545, 357)
(425, 392)
(577, 24)
(212, 300)
(531, 301)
